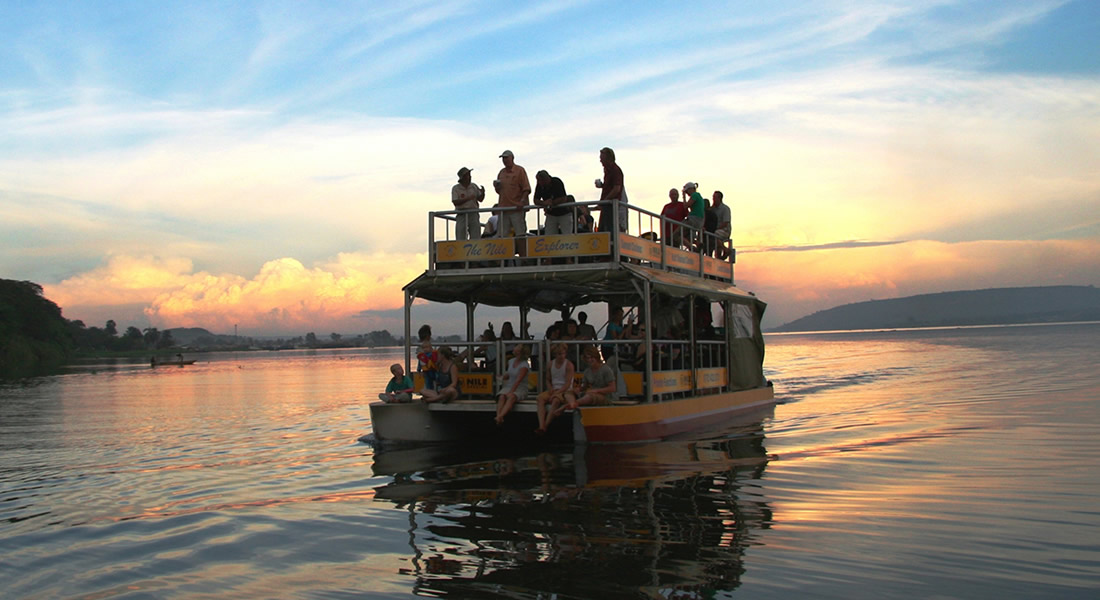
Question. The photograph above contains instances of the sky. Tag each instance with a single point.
(270, 165)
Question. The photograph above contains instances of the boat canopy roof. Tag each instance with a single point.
(548, 289)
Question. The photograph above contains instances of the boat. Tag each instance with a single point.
(693, 375)
(178, 361)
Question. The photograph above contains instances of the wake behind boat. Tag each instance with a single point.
(696, 361)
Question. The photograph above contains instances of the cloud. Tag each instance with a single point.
(829, 246)
(284, 297)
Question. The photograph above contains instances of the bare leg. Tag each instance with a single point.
(506, 407)
(541, 410)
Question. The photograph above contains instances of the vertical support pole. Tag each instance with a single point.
(647, 306)
(408, 331)
(694, 342)
(431, 241)
(470, 335)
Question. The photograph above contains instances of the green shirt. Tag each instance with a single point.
(698, 205)
(399, 385)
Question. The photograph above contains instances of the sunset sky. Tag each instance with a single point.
(270, 164)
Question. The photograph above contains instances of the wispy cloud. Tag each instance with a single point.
(266, 133)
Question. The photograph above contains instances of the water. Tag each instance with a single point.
(956, 463)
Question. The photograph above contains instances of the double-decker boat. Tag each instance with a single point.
(697, 364)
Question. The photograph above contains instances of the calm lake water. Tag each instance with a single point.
(960, 463)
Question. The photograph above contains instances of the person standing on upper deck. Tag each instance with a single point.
(611, 189)
(724, 227)
(465, 195)
(675, 211)
(515, 193)
(549, 193)
(697, 210)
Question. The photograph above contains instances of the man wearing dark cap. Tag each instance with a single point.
(549, 193)
(515, 194)
(466, 196)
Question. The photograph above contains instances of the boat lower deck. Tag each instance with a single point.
(624, 421)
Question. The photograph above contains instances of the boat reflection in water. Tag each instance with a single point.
(666, 519)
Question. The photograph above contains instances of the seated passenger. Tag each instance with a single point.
(598, 385)
(513, 384)
(400, 387)
(446, 381)
(559, 383)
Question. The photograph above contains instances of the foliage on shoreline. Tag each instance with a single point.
(34, 337)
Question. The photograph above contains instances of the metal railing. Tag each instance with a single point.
(676, 245)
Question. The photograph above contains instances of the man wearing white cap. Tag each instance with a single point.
(515, 192)
(697, 210)
(466, 196)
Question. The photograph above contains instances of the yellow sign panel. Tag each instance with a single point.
(485, 249)
(476, 383)
(671, 381)
(639, 248)
(579, 244)
(682, 259)
(710, 378)
(717, 268)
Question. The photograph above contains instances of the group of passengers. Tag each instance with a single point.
(708, 222)
(623, 347)
(515, 197)
(688, 206)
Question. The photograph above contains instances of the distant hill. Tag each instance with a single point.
(948, 309)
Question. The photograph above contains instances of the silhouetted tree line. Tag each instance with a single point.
(36, 339)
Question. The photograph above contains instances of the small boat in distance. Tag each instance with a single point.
(178, 361)
(694, 362)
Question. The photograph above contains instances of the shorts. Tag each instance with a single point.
(513, 223)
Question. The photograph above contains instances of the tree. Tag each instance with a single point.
(132, 339)
(34, 337)
(311, 339)
(111, 328)
(166, 340)
(151, 337)
(335, 336)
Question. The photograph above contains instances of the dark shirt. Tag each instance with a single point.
(554, 189)
(612, 176)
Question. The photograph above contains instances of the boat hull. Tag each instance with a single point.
(667, 419)
(418, 423)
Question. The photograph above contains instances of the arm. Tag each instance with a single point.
(610, 387)
(524, 190)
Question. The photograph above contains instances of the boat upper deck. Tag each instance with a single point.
(638, 237)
